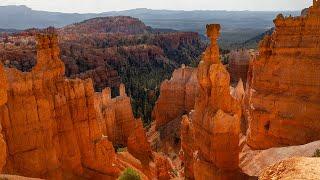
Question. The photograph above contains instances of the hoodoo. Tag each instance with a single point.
(50, 124)
(284, 94)
(211, 134)
(177, 96)
(55, 127)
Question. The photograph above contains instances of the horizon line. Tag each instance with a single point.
(120, 10)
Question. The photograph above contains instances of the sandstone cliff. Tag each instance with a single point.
(238, 65)
(211, 133)
(50, 124)
(55, 127)
(3, 100)
(177, 96)
(117, 117)
(254, 162)
(284, 91)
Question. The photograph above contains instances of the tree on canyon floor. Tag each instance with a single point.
(129, 174)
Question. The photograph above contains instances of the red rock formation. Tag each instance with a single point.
(164, 168)
(188, 147)
(3, 100)
(118, 120)
(284, 92)
(254, 162)
(215, 121)
(295, 168)
(117, 24)
(138, 144)
(50, 123)
(177, 96)
(238, 65)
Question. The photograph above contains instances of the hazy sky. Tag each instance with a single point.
(82, 6)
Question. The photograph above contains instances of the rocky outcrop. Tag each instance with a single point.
(3, 100)
(177, 96)
(117, 118)
(238, 65)
(254, 162)
(284, 91)
(50, 123)
(138, 144)
(214, 126)
(295, 168)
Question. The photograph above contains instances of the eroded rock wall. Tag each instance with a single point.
(50, 123)
(177, 96)
(284, 91)
(3, 99)
(238, 65)
(213, 129)
(117, 116)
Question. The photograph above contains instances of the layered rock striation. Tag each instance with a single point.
(284, 92)
(238, 65)
(294, 168)
(3, 100)
(117, 117)
(210, 136)
(50, 123)
(177, 96)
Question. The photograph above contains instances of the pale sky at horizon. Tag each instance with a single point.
(94, 6)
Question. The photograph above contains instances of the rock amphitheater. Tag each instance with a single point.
(205, 126)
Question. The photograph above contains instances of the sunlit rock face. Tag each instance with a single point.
(50, 123)
(117, 117)
(212, 130)
(3, 99)
(177, 96)
(284, 92)
(294, 168)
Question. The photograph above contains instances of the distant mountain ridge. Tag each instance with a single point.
(237, 26)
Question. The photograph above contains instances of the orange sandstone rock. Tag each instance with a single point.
(138, 144)
(3, 99)
(177, 96)
(295, 168)
(284, 91)
(215, 120)
(50, 123)
(117, 117)
(164, 168)
(238, 65)
(187, 146)
(254, 162)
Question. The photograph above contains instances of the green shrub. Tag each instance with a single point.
(317, 153)
(129, 174)
(122, 149)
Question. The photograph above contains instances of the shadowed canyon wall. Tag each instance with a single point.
(284, 91)
(239, 64)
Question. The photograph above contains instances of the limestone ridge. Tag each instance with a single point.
(212, 130)
(284, 93)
